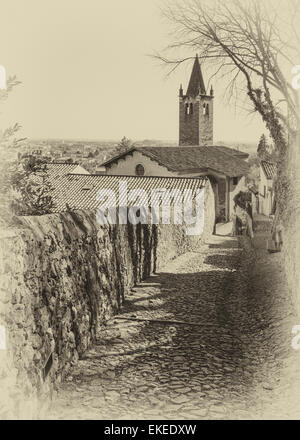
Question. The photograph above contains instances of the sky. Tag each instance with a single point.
(86, 73)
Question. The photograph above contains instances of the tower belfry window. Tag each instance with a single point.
(205, 109)
(189, 109)
(196, 110)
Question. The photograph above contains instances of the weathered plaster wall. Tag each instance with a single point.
(234, 190)
(127, 166)
(265, 195)
(61, 277)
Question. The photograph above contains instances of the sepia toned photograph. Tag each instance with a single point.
(150, 212)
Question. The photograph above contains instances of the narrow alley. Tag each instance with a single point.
(207, 338)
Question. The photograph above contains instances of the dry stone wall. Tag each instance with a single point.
(62, 276)
(291, 229)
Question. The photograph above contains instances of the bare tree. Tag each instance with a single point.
(255, 44)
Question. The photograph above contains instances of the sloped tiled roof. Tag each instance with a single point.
(188, 159)
(232, 151)
(196, 84)
(79, 191)
(55, 170)
(269, 169)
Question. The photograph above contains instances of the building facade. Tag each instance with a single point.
(267, 172)
(195, 156)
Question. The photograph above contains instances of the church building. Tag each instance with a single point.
(196, 155)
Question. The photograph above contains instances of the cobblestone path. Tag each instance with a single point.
(230, 356)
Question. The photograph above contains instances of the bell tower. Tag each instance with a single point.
(196, 111)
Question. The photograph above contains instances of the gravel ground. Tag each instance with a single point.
(217, 344)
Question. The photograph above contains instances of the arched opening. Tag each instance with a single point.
(139, 170)
(205, 109)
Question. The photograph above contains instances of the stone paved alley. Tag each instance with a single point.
(233, 361)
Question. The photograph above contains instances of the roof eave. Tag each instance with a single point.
(116, 158)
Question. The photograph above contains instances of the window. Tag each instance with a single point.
(265, 190)
(205, 109)
(235, 180)
(189, 109)
(139, 170)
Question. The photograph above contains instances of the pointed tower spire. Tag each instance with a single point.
(196, 84)
(196, 115)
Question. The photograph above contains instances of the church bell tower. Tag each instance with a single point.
(196, 111)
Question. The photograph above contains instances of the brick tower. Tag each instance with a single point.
(196, 111)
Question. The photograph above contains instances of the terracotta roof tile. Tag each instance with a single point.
(56, 170)
(187, 159)
(269, 169)
(79, 191)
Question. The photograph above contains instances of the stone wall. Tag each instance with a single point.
(62, 276)
(206, 128)
(195, 128)
(188, 124)
(291, 223)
